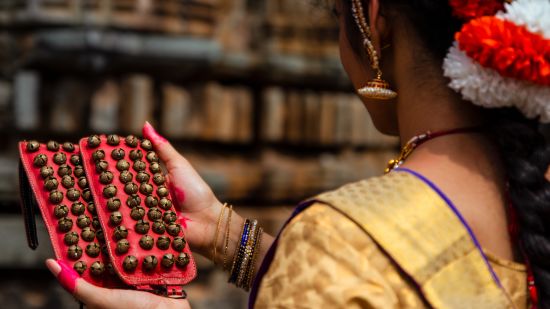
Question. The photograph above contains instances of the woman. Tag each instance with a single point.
(458, 222)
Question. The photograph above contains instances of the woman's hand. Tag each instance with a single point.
(101, 298)
(191, 195)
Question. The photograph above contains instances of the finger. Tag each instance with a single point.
(78, 287)
(165, 150)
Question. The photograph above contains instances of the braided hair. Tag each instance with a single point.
(523, 148)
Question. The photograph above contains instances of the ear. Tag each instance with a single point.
(377, 25)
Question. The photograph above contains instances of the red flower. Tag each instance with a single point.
(511, 50)
(470, 9)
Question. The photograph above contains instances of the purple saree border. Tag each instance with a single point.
(458, 215)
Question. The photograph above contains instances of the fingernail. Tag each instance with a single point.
(150, 133)
(65, 274)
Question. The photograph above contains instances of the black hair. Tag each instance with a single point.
(523, 148)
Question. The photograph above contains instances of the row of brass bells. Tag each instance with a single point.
(150, 262)
(33, 146)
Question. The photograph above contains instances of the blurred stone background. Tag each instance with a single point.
(251, 91)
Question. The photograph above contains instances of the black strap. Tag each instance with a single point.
(28, 207)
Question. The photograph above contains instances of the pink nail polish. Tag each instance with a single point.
(67, 277)
(150, 133)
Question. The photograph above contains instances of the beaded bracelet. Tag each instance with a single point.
(239, 253)
(248, 251)
(251, 271)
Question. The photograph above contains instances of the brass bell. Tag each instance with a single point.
(40, 160)
(152, 157)
(106, 177)
(77, 208)
(113, 204)
(182, 260)
(93, 249)
(125, 176)
(100, 235)
(80, 267)
(95, 223)
(33, 146)
(74, 252)
(145, 189)
(82, 182)
(162, 191)
(76, 160)
(122, 246)
(169, 217)
(115, 218)
(137, 213)
(113, 139)
(149, 263)
(101, 166)
(131, 188)
(131, 141)
(60, 211)
(142, 177)
(73, 194)
(71, 238)
(63, 170)
(163, 242)
(158, 227)
(98, 155)
(165, 203)
(65, 224)
(67, 146)
(51, 184)
(52, 146)
(83, 221)
(151, 201)
(133, 201)
(136, 154)
(142, 227)
(122, 165)
(46, 171)
(154, 214)
(59, 158)
(146, 144)
(67, 181)
(139, 166)
(56, 197)
(97, 268)
(118, 154)
(79, 171)
(109, 191)
(178, 244)
(87, 195)
(129, 263)
(94, 141)
(91, 208)
(167, 260)
(154, 168)
(158, 179)
(146, 242)
(120, 232)
(88, 234)
(173, 229)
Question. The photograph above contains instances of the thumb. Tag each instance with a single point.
(164, 149)
(69, 279)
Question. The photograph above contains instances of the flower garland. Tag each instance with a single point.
(469, 9)
(504, 60)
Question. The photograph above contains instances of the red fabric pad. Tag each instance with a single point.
(67, 162)
(134, 156)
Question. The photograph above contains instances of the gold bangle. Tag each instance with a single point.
(249, 250)
(226, 240)
(252, 270)
(214, 249)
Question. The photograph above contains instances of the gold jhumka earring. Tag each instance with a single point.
(376, 88)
